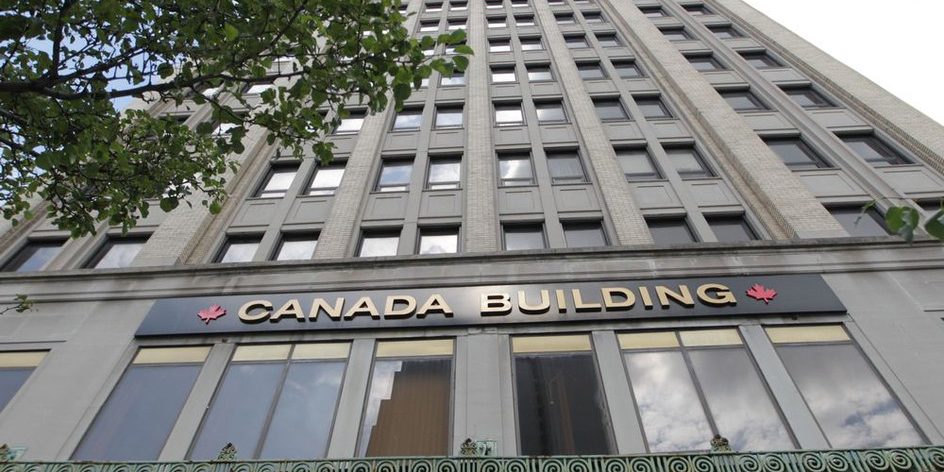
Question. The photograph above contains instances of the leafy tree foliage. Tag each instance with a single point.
(65, 62)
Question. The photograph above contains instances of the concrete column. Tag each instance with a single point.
(619, 397)
(782, 200)
(347, 420)
(478, 391)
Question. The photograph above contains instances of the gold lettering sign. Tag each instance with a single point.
(255, 311)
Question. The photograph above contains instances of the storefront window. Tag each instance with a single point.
(15, 368)
(561, 406)
(692, 385)
(275, 402)
(139, 414)
(853, 406)
(408, 408)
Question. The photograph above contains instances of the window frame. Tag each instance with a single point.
(513, 181)
(449, 109)
(436, 159)
(273, 170)
(386, 233)
(520, 225)
(393, 161)
(746, 94)
(438, 231)
(112, 241)
(229, 240)
(550, 154)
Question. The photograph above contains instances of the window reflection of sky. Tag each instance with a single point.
(515, 169)
(381, 388)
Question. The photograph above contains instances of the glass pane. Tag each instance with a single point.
(395, 176)
(523, 237)
(34, 256)
(852, 406)
(439, 243)
(670, 231)
(672, 416)
(119, 254)
(761, 61)
(675, 35)
(444, 174)
(239, 251)
(743, 101)
(550, 112)
(687, 162)
(512, 169)
(499, 46)
(868, 225)
(574, 42)
(739, 402)
(732, 229)
(565, 168)
(296, 249)
(350, 125)
(653, 108)
(584, 235)
(627, 70)
(448, 118)
(503, 75)
(138, 416)
(636, 164)
(326, 180)
(531, 45)
(705, 63)
(539, 74)
(279, 182)
(239, 410)
(561, 407)
(608, 40)
(590, 71)
(610, 110)
(407, 410)
(794, 153)
(10, 382)
(408, 120)
(508, 115)
(301, 423)
(872, 150)
(375, 246)
(457, 78)
(808, 98)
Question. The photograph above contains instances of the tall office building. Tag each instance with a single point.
(627, 228)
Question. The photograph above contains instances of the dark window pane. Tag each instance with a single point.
(238, 250)
(628, 69)
(676, 35)
(870, 223)
(652, 108)
(637, 165)
(743, 100)
(705, 63)
(725, 32)
(499, 45)
(760, 60)
(873, 151)
(34, 256)
(808, 98)
(561, 407)
(739, 403)
(584, 235)
(795, 153)
(671, 414)
(116, 253)
(653, 12)
(609, 40)
(565, 167)
(11, 379)
(670, 231)
(552, 112)
(854, 409)
(394, 176)
(407, 410)
(610, 110)
(531, 44)
(524, 237)
(731, 229)
(296, 247)
(138, 416)
(590, 71)
(696, 10)
(239, 410)
(687, 162)
(277, 183)
(575, 42)
(301, 424)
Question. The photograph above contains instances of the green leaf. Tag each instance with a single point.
(903, 221)
(401, 92)
(168, 204)
(935, 225)
(165, 70)
(462, 62)
(465, 49)
(230, 31)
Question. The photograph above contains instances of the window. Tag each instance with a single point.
(225, 128)
(521, 237)
(458, 6)
(670, 231)
(493, 4)
(725, 32)
(238, 249)
(326, 180)
(434, 7)
(850, 402)
(33, 256)
(117, 252)
(565, 167)
(676, 34)
(688, 162)
(628, 69)
(743, 100)
(561, 406)
(705, 63)
(857, 223)
(351, 124)
(795, 153)
(453, 25)
(555, 3)
(531, 44)
(514, 169)
(15, 368)
(448, 117)
(637, 164)
(653, 12)
(584, 234)
(731, 228)
(508, 114)
(539, 73)
(497, 22)
(408, 119)
(610, 109)
(685, 383)
(609, 40)
(591, 71)
(808, 98)
(439, 241)
(444, 173)
(394, 176)
(697, 10)
(592, 17)
(379, 243)
(135, 421)
(873, 150)
(519, 3)
(499, 45)
(255, 89)
(285, 395)
(429, 26)
(407, 412)
(503, 75)
(296, 247)
(760, 60)
(277, 182)
(652, 108)
(565, 19)
(524, 20)
(576, 42)
(550, 112)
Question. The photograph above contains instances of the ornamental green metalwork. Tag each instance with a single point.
(912, 459)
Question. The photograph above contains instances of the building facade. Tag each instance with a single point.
(627, 228)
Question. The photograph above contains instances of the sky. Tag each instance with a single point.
(896, 43)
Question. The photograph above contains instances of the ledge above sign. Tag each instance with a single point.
(425, 307)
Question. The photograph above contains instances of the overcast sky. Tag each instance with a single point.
(896, 43)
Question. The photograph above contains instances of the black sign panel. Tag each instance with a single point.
(493, 304)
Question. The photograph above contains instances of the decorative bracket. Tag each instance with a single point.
(228, 453)
(482, 448)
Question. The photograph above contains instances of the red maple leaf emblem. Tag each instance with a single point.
(759, 292)
(211, 313)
